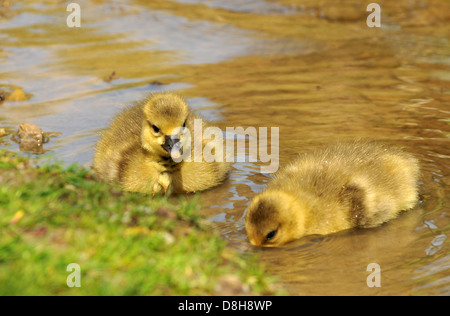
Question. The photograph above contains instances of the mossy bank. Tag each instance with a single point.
(125, 244)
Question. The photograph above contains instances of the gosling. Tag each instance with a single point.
(140, 149)
(347, 185)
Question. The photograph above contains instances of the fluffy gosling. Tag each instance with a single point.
(137, 149)
(347, 185)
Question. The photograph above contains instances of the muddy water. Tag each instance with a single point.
(312, 68)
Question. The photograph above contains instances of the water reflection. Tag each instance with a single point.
(261, 6)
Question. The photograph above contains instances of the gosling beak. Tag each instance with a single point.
(172, 145)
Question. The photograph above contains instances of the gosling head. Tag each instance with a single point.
(273, 219)
(165, 117)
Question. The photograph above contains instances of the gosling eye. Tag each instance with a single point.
(155, 129)
(184, 124)
(271, 235)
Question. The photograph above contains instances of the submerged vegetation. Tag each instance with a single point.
(125, 244)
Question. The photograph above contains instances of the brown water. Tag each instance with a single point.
(312, 68)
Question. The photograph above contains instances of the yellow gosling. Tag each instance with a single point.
(137, 149)
(349, 184)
